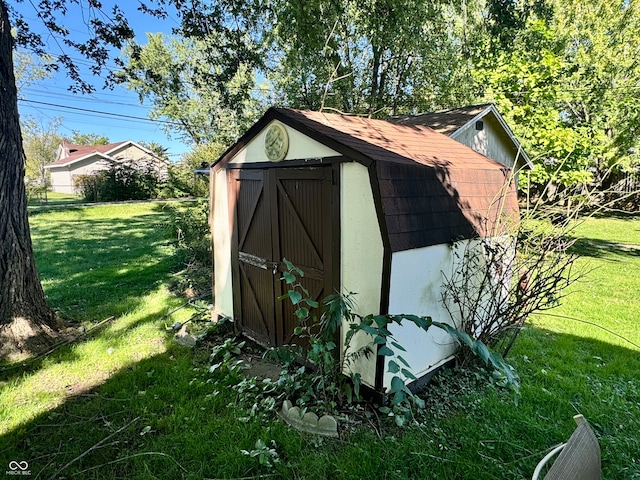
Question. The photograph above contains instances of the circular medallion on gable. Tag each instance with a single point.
(276, 142)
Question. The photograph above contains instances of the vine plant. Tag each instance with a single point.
(331, 384)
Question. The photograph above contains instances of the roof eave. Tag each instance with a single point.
(280, 115)
(89, 155)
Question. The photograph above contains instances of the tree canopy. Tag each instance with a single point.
(178, 76)
(26, 321)
(563, 73)
(370, 57)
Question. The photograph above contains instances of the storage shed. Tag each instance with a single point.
(360, 205)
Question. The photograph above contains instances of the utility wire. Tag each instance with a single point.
(46, 93)
(592, 324)
(119, 115)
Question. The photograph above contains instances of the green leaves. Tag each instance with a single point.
(491, 359)
(288, 277)
(385, 351)
(321, 353)
(393, 367)
(187, 80)
(370, 57)
(295, 296)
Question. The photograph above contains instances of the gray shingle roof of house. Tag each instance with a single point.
(443, 121)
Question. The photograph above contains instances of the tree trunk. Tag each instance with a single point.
(26, 321)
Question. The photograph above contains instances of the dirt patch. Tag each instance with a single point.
(23, 338)
(258, 367)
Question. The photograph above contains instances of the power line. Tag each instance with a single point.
(120, 115)
(95, 95)
(94, 99)
(137, 126)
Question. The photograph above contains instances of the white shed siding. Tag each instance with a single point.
(300, 147)
(416, 288)
(222, 285)
(361, 256)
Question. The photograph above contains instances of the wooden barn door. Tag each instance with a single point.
(279, 213)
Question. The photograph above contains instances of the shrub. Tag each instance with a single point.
(498, 282)
(184, 182)
(324, 384)
(125, 182)
(121, 181)
(188, 228)
(88, 186)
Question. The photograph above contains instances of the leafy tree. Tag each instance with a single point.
(80, 138)
(567, 84)
(40, 144)
(26, 320)
(29, 68)
(22, 301)
(601, 47)
(525, 85)
(175, 74)
(157, 149)
(374, 57)
(183, 180)
(508, 18)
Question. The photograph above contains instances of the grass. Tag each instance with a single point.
(55, 198)
(610, 248)
(129, 402)
(117, 254)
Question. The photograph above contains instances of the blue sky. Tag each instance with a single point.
(116, 114)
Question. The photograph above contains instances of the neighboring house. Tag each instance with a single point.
(73, 160)
(479, 127)
(360, 205)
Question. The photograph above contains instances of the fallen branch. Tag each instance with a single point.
(94, 447)
(128, 457)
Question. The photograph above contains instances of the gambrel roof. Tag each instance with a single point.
(430, 188)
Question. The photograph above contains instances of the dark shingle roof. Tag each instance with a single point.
(76, 152)
(443, 121)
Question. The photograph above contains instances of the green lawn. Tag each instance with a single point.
(129, 402)
(55, 198)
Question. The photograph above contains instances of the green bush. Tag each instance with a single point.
(88, 186)
(184, 182)
(120, 181)
(188, 228)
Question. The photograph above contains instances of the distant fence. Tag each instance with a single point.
(622, 190)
